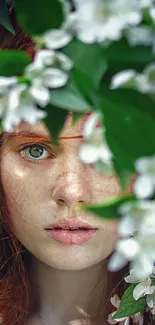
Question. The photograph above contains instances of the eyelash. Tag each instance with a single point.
(36, 160)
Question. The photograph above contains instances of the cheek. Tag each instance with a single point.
(109, 234)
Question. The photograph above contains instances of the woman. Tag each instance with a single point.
(53, 267)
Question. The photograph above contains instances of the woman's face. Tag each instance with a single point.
(43, 185)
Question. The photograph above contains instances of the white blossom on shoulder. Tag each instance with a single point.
(95, 150)
(144, 185)
(20, 105)
(144, 286)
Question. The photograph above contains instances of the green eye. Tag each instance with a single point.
(36, 152)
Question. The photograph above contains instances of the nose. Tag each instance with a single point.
(71, 189)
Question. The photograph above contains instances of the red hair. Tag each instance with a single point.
(15, 292)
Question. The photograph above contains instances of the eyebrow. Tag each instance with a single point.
(34, 135)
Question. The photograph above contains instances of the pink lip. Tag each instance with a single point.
(73, 235)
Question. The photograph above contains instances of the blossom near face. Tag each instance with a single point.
(44, 190)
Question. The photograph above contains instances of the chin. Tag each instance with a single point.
(81, 260)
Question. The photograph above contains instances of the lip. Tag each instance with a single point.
(71, 232)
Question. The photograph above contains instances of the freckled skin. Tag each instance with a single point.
(41, 193)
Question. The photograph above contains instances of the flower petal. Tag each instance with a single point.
(115, 301)
(6, 82)
(139, 291)
(144, 164)
(90, 124)
(55, 39)
(143, 186)
(123, 78)
(143, 266)
(110, 320)
(54, 78)
(150, 300)
(128, 247)
(116, 262)
(41, 95)
(126, 226)
(64, 61)
(88, 153)
(44, 57)
(105, 153)
(31, 114)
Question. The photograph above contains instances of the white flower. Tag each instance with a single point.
(123, 78)
(141, 35)
(144, 286)
(95, 149)
(126, 320)
(20, 105)
(47, 71)
(144, 185)
(101, 20)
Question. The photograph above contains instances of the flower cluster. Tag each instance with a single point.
(103, 21)
(20, 96)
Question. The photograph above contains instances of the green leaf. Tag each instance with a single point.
(69, 98)
(83, 83)
(128, 305)
(129, 119)
(5, 17)
(83, 56)
(120, 55)
(108, 209)
(55, 121)
(13, 62)
(37, 16)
